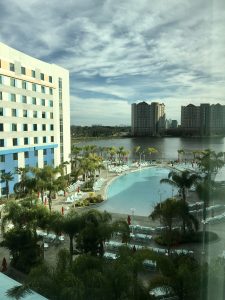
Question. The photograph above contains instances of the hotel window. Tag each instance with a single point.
(25, 127)
(34, 127)
(23, 70)
(43, 115)
(1, 127)
(24, 99)
(14, 127)
(51, 91)
(26, 154)
(13, 97)
(34, 100)
(15, 156)
(33, 74)
(52, 139)
(50, 79)
(25, 140)
(15, 141)
(12, 67)
(14, 112)
(35, 140)
(52, 150)
(42, 76)
(2, 143)
(45, 163)
(35, 152)
(12, 82)
(44, 139)
(43, 102)
(42, 89)
(50, 103)
(25, 113)
(51, 115)
(51, 127)
(2, 158)
(0, 95)
(44, 127)
(24, 85)
(45, 152)
(1, 111)
(34, 114)
(34, 87)
(1, 81)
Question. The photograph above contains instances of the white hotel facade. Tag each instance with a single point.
(34, 113)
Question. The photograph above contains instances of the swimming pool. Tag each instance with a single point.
(137, 192)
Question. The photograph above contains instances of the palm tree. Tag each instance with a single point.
(71, 225)
(151, 150)
(183, 180)
(96, 229)
(180, 153)
(6, 177)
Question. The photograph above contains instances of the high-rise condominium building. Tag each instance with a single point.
(203, 120)
(147, 119)
(34, 113)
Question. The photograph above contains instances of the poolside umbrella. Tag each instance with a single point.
(4, 265)
(128, 219)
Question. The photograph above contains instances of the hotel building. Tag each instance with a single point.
(204, 120)
(34, 113)
(147, 119)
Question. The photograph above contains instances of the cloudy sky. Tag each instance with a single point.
(124, 51)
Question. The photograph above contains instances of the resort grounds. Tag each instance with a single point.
(213, 249)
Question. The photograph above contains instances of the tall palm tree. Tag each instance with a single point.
(180, 153)
(6, 177)
(182, 180)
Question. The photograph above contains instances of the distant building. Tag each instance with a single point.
(174, 124)
(203, 120)
(34, 113)
(147, 119)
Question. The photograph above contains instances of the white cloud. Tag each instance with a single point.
(97, 111)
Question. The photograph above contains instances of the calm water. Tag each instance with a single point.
(139, 191)
(167, 147)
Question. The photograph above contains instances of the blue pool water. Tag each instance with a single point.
(138, 191)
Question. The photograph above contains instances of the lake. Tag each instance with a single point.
(167, 146)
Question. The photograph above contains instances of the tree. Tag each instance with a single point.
(6, 177)
(96, 229)
(182, 275)
(47, 179)
(71, 225)
(151, 150)
(22, 239)
(26, 185)
(180, 153)
(182, 180)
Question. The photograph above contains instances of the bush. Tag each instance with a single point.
(89, 200)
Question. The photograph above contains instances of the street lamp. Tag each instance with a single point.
(132, 211)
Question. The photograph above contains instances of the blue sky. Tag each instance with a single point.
(120, 52)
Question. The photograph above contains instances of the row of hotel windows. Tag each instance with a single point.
(26, 127)
(36, 140)
(24, 99)
(23, 71)
(26, 155)
(25, 113)
(25, 85)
